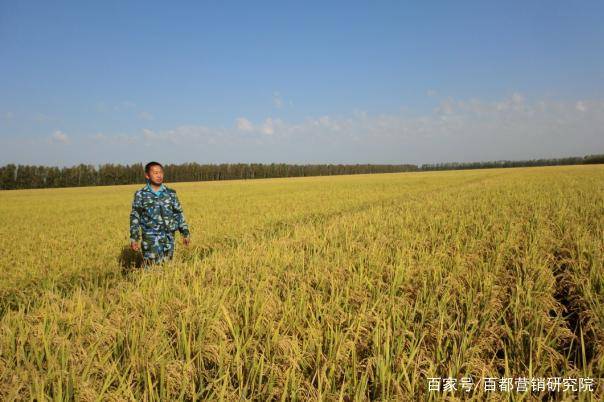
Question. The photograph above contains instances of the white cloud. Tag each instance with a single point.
(99, 137)
(326, 122)
(277, 100)
(150, 135)
(457, 130)
(517, 98)
(59, 137)
(268, 127)
(445, 107)
(145, 116)
(7, 115)
(117, 139)
(244, 124)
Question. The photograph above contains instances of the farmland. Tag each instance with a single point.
(324, 288)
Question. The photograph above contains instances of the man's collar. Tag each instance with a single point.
(161, 188)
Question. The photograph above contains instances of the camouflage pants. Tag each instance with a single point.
(157, 247)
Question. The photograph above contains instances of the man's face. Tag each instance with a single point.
(155, 175)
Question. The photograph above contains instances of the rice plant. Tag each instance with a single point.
(344, 288)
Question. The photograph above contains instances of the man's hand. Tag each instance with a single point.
(134, 245)
(186, 241)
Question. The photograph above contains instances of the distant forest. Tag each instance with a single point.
(27, 176)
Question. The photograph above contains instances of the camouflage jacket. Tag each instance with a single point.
(154, 213)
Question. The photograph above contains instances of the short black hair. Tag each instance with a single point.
(149, 165)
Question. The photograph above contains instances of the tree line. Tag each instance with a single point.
(28, 176)
(573, 160)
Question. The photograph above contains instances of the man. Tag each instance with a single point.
(157, 213)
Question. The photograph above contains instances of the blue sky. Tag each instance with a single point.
(304, 82)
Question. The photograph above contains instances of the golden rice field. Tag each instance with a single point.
(341, 288)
